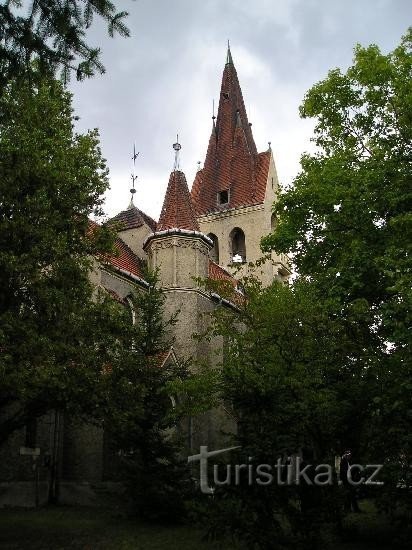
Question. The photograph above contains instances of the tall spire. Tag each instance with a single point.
(232, 160)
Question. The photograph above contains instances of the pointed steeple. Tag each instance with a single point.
(177, 211)
(232, 161)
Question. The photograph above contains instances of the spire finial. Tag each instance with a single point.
(177, 147)
(133, 176)
(229, 60)
(198, 165)
(269, 143)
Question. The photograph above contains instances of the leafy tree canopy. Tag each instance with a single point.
(54, 337)
(347, 222)
(347, 218)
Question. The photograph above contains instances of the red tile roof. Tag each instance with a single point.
(229, 287)
(125, 259)
(232, 161)
(132, 218)
(177, 211)
(218, 273)
(114, 295)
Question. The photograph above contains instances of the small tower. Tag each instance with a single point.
(181, 254)
(177, 247)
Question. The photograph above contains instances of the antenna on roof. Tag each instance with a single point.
(177, 147)
(133, 176)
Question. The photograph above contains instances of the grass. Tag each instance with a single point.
(61, 528)
(90, 529)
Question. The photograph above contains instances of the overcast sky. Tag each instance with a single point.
(162, 79)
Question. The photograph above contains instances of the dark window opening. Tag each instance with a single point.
(214, 252)
(223, 197)
(238, 246)
(273, 221)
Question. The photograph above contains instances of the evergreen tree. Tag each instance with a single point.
(139, 415)
(53, 32)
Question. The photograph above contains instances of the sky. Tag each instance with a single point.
(163, 78)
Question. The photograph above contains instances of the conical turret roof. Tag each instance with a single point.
(177, 211)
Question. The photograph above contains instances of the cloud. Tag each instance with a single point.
(163, 79)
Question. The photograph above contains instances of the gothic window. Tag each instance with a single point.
(214, 253)
(237, 245)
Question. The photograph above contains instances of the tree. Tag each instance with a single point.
(138, 414)
(54, 33)
(347, 222)
(56, 333)
(291, 376)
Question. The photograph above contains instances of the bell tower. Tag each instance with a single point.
(234, 192)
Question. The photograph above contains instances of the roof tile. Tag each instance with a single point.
(177, 211)
(232, 161)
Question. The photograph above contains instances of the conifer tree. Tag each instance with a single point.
(54, 32)
(139, 415)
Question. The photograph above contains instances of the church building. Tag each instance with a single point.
(212, 231)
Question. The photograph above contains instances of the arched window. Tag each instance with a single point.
(214, 253)
(237, 245)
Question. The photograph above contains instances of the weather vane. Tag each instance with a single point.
(133, 176)
(177, 147)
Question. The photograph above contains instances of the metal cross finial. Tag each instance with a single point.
(177, 147)
(133, 176)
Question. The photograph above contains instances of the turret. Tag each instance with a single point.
(177, 247)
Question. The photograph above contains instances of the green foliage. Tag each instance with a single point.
(347, 221)
(54, 33)
(54, 338)
(139, 413)
(290, 375)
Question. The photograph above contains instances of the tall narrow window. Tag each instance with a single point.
(237, 245)
(214, 253)
(273, 222)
